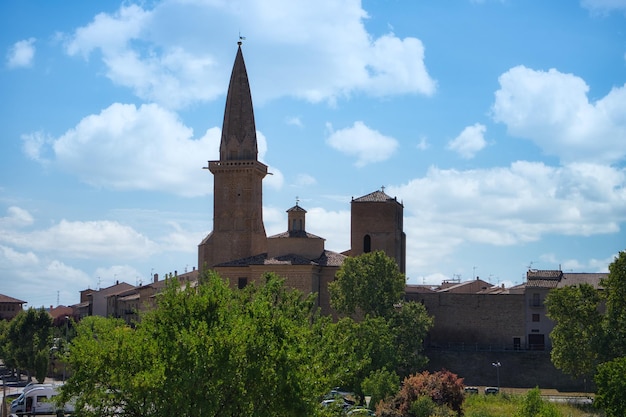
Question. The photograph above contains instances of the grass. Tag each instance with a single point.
(507, 404)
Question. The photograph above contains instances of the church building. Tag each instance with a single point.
(238, 247)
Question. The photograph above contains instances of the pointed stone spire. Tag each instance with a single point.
(238, 230)
(238, 131)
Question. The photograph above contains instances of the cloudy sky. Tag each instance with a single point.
(501, 126)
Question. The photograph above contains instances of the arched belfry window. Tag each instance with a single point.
(367, 244)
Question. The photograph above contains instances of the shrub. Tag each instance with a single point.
(442, 388)
(534, 406)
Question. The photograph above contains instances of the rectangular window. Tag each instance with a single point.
(536, 300)
(242, 282)
(535, 317)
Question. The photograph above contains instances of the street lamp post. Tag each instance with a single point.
(497, 365)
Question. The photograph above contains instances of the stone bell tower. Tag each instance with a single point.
(238, 230)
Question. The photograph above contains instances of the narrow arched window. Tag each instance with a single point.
(367, 244)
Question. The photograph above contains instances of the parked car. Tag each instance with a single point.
(492, 390)
(471, 390)
(360, 411)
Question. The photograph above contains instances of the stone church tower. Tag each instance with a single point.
(377, 224)
(238, 230)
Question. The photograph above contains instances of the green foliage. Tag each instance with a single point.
(205, 351)
(584, 337)
(410, 324)
(381, 385)
(615, 323)
(422, 407)
(391, 333)
(611, 383)
(27, 338)
(577, 334)
(42, 361)
(534, 406)
(369, 284)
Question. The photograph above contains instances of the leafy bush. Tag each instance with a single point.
(381, 385)
(534, 406)
(442, 388)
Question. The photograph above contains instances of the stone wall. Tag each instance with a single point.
(480, 320)
(519, 369)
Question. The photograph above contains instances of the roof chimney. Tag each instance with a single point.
(156, 277)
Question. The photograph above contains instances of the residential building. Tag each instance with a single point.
(538, 284)
(10, 307)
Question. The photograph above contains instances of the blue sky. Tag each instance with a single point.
(501, 126)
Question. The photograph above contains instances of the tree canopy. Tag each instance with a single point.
(577, 334)
(28, 342)
(369, 284)
(212, 350)
(205, 350)
(589, 337)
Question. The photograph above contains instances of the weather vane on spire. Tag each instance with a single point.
(241, 39)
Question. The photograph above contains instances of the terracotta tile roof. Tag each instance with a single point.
(7, 299)
(295, 233)
(416, 289)
(328, 258)
(540, 278)
(577, 278)
(544, 274)
(542, 283)
(376, 196)
(296, 208)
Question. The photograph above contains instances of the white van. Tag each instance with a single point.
(38, 399)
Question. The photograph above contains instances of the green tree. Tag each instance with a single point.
(28, 341)
(611, 392)
(204, 351)
(381, 385)
(577, 334)
(615, 323)
(391, 331)
(368, 284)
(410, 324)
(350, 351)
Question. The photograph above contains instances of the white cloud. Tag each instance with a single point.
(423, 144)
(21, 54)
(16, 217)
(28, 273)
(552, 110)
(76, 239)
(143, 51)
(334, 226)
(505, 206)
(368, 145)
(111, 275)
(11, 258)
(604, 6)
(470, 141)
(304, 180)
(294, 121)
(130, 148)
